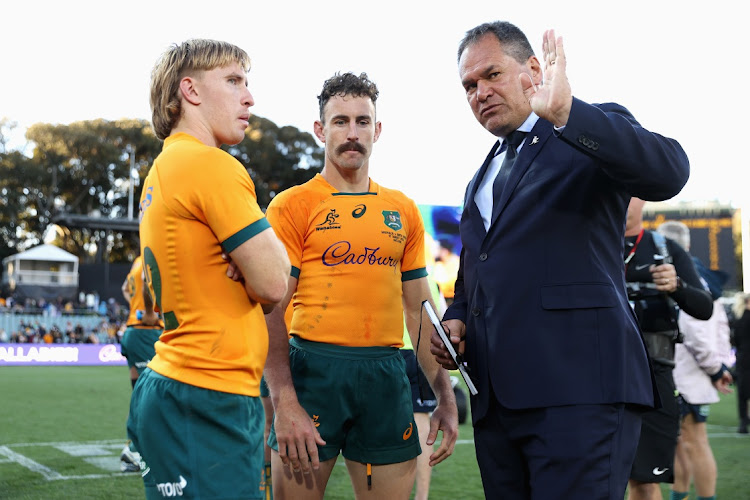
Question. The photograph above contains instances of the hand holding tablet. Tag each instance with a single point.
(447, 341)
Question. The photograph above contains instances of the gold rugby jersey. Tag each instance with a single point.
(196, 200)
(350, 253)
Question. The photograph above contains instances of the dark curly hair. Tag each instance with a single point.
(347, 84)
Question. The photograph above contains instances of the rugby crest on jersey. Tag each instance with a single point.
(392, 219)
(329, 222)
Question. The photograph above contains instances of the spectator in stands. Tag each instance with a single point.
(4, 337)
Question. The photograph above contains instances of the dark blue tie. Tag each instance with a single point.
(512, 142)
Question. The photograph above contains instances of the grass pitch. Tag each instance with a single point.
(62, 429)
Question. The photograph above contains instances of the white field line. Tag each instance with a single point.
(33, 466)
(49, 474)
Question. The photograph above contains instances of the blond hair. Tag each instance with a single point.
(180, 60)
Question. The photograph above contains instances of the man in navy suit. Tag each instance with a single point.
(541, 312)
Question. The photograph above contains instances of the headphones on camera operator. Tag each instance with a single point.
(656, 308)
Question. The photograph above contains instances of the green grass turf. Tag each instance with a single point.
(67, 424)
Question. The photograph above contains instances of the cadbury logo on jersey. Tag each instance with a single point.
(341, 253)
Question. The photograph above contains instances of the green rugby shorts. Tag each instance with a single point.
(196, 443)
(359, 399)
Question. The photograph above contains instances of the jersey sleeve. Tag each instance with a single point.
(289, 224)
(413, 264)
(227, 201)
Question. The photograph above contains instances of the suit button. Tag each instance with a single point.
(482, 257)
(476, 311)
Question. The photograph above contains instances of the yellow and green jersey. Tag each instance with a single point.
(350, 253)
(134, 282)
(196, 201)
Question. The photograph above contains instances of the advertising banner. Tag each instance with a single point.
(60, 354)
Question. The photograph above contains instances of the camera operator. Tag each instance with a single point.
(661, 279)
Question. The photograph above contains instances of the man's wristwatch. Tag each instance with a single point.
(680, 285)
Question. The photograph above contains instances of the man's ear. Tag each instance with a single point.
(378, 128)
(189, 91)
(319, 133)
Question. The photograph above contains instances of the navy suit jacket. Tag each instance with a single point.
(542, 292)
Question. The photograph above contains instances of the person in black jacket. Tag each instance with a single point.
(661, 279)
(741, 342)
(540, 313)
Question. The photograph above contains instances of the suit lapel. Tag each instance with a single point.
(471, 189)
(470, 207)
(535, 140)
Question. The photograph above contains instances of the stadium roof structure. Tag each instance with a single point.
(90, 222)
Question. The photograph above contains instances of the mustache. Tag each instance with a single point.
(351, 146)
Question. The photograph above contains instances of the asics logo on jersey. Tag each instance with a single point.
(359, 211)
(172, 489)
(392, 219)
(407, 432)
(341, 253)
(315, 420)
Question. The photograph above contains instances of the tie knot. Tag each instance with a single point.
(515, 138)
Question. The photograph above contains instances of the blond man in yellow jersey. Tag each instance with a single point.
(196, 415)
(357, 253)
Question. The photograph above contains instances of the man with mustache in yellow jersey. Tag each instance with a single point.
(339, 384)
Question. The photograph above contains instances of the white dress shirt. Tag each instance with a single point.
(483, 197)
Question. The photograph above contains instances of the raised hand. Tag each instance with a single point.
(552, 99)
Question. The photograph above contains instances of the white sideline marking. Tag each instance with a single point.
(33, 466)
(73, 449)
(89, 449)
